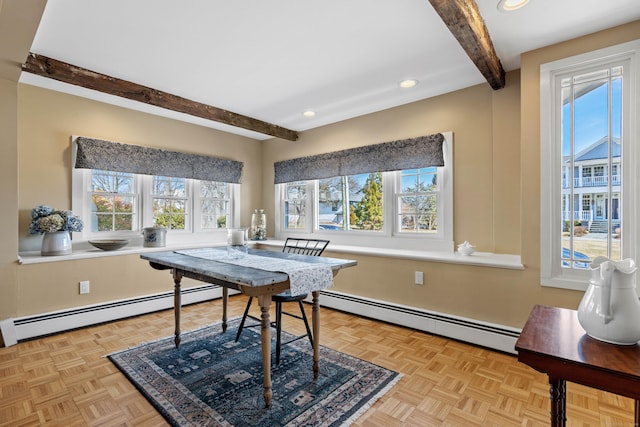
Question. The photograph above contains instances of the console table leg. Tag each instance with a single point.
(265, 334)
(177, 304)
(557, 394)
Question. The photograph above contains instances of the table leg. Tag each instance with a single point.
(557, 394)
(636, 420)
(315, 318)
(225, 303)
(177, 304)
(265, 334)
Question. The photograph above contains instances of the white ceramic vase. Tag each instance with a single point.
(56, 243)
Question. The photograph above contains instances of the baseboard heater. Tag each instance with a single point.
(23, 328)
(497, 337)
(488, 335)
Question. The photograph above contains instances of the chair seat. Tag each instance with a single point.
(287, 297)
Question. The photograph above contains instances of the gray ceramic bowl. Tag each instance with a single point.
(109, 244)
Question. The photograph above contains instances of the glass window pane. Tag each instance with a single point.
(295, 205)
(365, 202)
(418, 201)
(591, 202)
(123, 204)
(114, 201)
(123, 222)
(168, 186)
(331, 203)
(211, 189)
(214, 214)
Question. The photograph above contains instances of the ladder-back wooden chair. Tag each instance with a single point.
(312, 247)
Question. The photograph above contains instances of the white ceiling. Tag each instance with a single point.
(271, 60)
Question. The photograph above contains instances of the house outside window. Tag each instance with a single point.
(588, 126)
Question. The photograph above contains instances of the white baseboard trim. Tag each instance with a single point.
(23, 328)
(497, 337)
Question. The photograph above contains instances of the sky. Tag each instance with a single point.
(591, 121)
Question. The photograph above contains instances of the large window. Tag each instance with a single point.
(116, 204)
(408, 209)
(588, 125)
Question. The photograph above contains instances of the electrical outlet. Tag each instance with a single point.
(419, 278)
(84, 287)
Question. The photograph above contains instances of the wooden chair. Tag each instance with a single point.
(313, 247)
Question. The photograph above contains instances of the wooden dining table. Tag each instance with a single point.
(210, 265)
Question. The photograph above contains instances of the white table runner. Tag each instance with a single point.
(304, 277)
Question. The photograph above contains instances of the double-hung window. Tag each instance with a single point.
(588, 125)
(114, 204)
(120, 204)
(403, 209)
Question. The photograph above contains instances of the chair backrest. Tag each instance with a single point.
(313, 247)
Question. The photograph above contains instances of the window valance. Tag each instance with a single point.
(412, 153)
(114, 156)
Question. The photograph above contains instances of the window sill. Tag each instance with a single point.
(481, 259)
(86, 251)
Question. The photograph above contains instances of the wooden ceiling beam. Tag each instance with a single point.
(67, 73)
(463, 19)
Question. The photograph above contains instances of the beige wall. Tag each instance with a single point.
(496, 184)
(46, 121)
(9, 192)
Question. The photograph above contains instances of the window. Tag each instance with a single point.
(588, 125)
(121, 204)
(351, 202)
(418, 200)
(170, 201)
(114, 201)
(409, 209)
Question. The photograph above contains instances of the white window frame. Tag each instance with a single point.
(390, 237)
(81, 206)
(148, 196)
(551, 272)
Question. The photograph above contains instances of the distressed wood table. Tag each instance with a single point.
(250, 281)
(553, 342)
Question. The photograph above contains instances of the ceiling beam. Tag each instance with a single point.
(67, 73)
(467, 26)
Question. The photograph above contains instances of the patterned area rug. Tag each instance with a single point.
(213, 381)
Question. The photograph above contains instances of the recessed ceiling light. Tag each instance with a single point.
(511, 5)
(309, 113)
(406, 84)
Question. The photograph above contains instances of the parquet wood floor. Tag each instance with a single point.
(65, 380)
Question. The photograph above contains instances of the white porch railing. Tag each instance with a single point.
(592, 181)
(584, 216)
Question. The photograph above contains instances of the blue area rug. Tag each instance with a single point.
(213, 381)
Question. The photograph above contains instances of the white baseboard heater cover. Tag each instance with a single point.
(497, 337)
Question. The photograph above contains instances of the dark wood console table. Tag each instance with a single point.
(553, 342)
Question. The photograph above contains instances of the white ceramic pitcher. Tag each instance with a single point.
(610, 309)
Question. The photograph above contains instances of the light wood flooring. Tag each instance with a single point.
(65, 380)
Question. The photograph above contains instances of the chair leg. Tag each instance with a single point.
(278, 330)
(244, 317)
(306, 323)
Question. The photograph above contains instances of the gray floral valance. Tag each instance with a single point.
(420, 152)
(114, 156)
